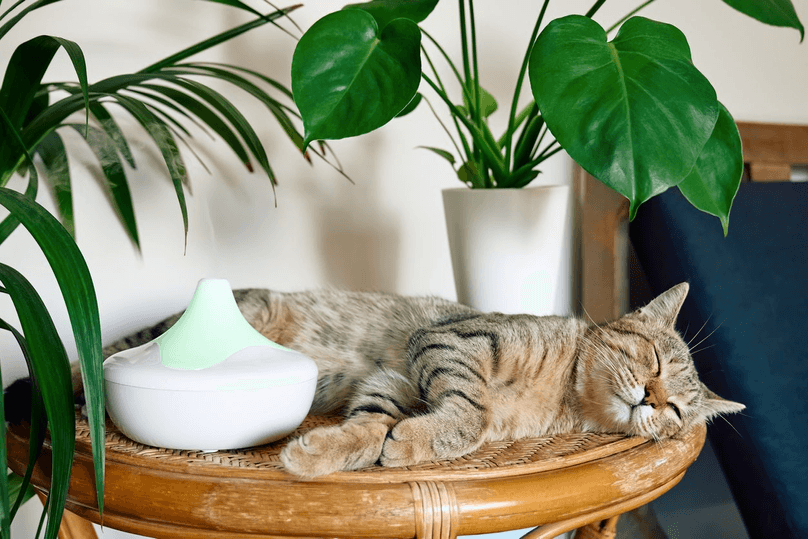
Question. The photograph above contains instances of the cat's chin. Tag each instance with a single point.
(616, 415)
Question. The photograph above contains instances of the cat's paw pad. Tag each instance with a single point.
(329, 449)
(406, 444)
(308, 455)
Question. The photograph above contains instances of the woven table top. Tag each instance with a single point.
(493, 459)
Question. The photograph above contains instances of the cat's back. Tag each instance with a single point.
(373, 326)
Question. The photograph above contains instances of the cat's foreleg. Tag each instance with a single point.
(380, 402)
(455, 428)
(451, 374)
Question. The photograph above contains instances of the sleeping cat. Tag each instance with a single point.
(421, 379)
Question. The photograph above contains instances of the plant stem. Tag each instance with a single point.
(547, 152)
(448, 133)
(594, 9)
(465, 155)
(476, 104)
(476, 68)
(519, 80)
(494, 158)
(448, 61)
(457, 126)
(468, 79)
(464, 41)
(632, 13)
(543, 156)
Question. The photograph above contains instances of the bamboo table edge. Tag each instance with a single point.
(437, 507)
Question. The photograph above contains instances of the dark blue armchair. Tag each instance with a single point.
(750, 292)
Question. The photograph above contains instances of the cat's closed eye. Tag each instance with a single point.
(676, 410)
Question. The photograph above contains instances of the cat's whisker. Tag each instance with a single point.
(731, 425)
(702, 349)
(708, 336)
(590, 318)
(693, 338)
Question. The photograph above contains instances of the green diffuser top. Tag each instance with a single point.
(211, 330)
(210, 382)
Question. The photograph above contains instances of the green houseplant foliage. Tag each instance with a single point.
(632, 110)
(163, 98)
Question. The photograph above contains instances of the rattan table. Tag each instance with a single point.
(558, 483)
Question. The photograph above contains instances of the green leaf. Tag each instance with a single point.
(218, 39)
(5, 490)
(774, 12)
(482, 138)
(413, 104)
(113, 131)
(469, 174)
(385, 11)
(73, 276)
(38, 422)
(527, 141)
(272, 82)
(166, 115)
(105, 152)
(373, 78)
(40, 103)
(77, 57)
(487, 102)
(165, 142)
(236, 3)
(57, 174)
(712, 184)
(209, 117)
(22, 13)
(443, 153)
(24, 73)
(10, 223)
(8, 131)
(16, 490)
(522, 178)
(52, 374)
(634, 112)
(22, 81)
(236, 119)
(277, 109)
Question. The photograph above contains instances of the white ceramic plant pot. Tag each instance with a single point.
(210, 382)
(512, 248)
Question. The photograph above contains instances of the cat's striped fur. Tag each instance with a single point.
(422, 378)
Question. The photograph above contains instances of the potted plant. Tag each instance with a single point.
(630, 109)
(162, 98)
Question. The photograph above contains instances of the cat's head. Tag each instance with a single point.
(636, 375)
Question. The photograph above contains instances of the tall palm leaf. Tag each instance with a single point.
(162, 97)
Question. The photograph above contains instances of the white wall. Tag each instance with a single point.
(386, 231)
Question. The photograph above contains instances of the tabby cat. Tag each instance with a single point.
(420, 379)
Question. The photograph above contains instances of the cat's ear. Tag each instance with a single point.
(665, 307)
(713, 405)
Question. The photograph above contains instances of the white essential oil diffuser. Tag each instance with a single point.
(210, 382)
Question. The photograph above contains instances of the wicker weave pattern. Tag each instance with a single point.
(547, 452)
(502, 454)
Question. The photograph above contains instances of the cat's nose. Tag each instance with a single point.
(649, 400)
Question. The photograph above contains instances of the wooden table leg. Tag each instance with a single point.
(605, 529)
(73, 526)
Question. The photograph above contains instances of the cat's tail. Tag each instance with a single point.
(17, 397)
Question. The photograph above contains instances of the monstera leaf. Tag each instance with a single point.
(372, 79)
(712, 184)
(634, 112)
(774, 12)
(385, 11)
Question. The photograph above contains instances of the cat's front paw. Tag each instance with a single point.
(324, 450)
(406, 444)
